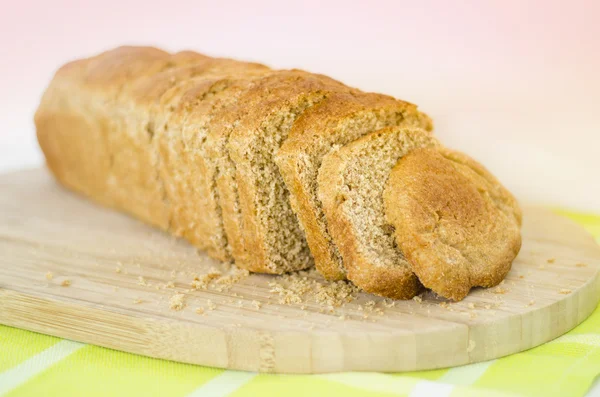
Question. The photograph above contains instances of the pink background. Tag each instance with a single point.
(514, 83)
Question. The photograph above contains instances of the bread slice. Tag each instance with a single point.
(350, 186)
(193, 179)
(340, 119)
(456, 224)
(144, 140)
(262, 232)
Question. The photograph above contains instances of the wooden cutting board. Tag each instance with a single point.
(120, 296)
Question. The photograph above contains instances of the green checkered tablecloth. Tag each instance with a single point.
(32, 364)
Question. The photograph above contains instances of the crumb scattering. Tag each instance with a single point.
(137, 301)
(256, 304)
(389, 303)
(177, 302)
(49, 276)
(66, 282)
(418, 299)
(471, 305)
(531, 303)
(336, 293)
(565, 291)
(551, 260)
(202, 281)
(500, 290)
(199, 310)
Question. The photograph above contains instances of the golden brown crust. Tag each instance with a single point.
(368, 268)
(96, 126)
(311, 138)
(454, 222)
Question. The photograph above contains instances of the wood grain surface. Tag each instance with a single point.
(120, 296)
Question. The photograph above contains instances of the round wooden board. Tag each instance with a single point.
(552, 287)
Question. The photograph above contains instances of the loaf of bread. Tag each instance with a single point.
(226, 154)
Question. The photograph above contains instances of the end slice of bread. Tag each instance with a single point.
(454, 222)
(351, 182)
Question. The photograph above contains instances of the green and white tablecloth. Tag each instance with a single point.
(32, 364)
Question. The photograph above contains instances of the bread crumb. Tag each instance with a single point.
(211, 305)
(336, 294)
(418, 299)
(565, 291)
(177, 302)
(580, 265)
(66, 283)
(142, 281)
(531, 303)
(389, 303)
(342, 317)
(521, 276)
(444, 305)
(471, 305)
(137, 301)
(170, 284)
(49, 276)
(291, 288)
(117, 269)
(256, 304)
(200, 310)
(370, 305)
(226, 282)
(202, 281)
(487, 307)
(500, 290)
(551, 260)
(471, 346)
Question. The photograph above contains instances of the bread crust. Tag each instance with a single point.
(455, 223)
(96, 125)
(310, 140)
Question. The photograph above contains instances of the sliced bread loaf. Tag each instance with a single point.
(199, 209)
(350, 186)
(263, 236)
(144, 141)
(455, 223)
(338, 120)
